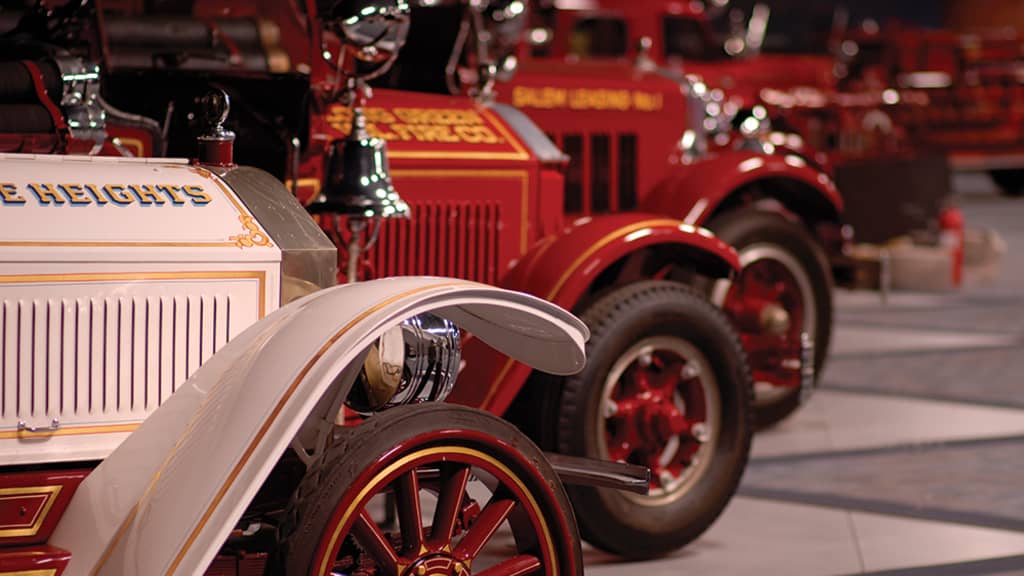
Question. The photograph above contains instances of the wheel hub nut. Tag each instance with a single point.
(774, 319)
(690, 371)
(700, 432)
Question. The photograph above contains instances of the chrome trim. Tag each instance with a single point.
(306, 252)
(536, 140)
(80, 100)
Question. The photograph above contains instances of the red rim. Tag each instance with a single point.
(660, 409)
(769, 307)
(454, 539)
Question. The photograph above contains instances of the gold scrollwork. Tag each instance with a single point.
(253, 235)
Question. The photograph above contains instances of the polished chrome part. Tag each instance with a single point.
(80, 100)
(374, 31)
(137, 121)
(416, 361)
(24, 427)
(216, 105)
(307, 254)
(358, 179)
(774, 319)
(529, 134)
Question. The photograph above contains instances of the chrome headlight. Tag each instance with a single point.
(416, 361)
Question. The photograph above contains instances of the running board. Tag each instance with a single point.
(590, 472)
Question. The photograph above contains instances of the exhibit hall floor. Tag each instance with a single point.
(909, 460)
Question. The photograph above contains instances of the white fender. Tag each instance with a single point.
(166, 499)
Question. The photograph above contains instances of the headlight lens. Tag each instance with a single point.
(416, 361)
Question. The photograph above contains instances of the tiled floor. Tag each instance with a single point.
(910, 459)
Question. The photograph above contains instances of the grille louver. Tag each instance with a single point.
(458, 239)
(602, 173)
(89, 357)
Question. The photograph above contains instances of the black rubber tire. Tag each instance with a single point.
(609, 519)
(1010, 181)
(333, 477)
(750, 225)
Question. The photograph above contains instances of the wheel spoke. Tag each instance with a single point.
(449, 504)
(407, 497)
(369, 536)
(516, 566)
(496, 511)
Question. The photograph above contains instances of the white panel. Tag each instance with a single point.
(83, 360)
(206, 318)
(150, 352)
(112, 354)
(69, 351)
(24, 359)
(221, 321)
(9, 353)
(166, 348)
(111, 366)
(193, 334)
(53, 357)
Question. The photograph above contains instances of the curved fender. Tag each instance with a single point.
(165, 500)
(562, 270)
(694, 191)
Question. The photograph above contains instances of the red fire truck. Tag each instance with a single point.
(668, 384)
(971, 87)
(608, 82)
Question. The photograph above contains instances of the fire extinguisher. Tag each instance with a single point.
(951, 236)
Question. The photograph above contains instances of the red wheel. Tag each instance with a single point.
(661, 408)
(665, 386)
(781, 302)
(473, 496)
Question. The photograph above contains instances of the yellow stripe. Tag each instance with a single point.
(604, 241)
(31, 529)
(323, 569)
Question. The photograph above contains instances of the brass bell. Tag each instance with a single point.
(357, 181)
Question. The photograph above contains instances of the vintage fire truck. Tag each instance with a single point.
(182, 393)
(971, 86)
(171, 376)
(669, 387)
(647, 131)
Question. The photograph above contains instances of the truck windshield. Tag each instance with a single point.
(685, 38)
(598, 37)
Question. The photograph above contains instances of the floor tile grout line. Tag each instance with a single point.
(889, 393)
(856, 540)
(925, 351)
(884, 508)
(924, 446)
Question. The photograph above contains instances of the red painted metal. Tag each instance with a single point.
(647, 417)
(34, 560)
(436, 550)
(761, 284)
(694, 193)
(31, 503)
(563, 267)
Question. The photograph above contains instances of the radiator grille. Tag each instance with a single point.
(458, 239)
(90, 357)
(602, 172)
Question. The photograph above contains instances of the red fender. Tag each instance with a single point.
(695, 191)
(562, 267)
